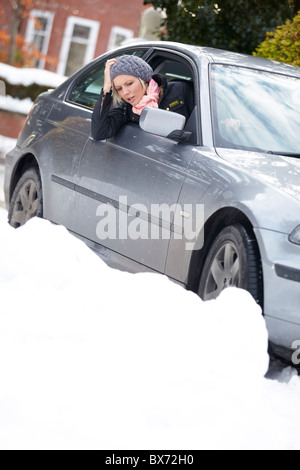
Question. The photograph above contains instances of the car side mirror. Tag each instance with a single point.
(164, 123)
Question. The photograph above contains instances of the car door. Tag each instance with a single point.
(68, 129)
(67, 133)
(127, 188)
(126, 193)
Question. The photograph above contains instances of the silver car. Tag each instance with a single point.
(210, 202)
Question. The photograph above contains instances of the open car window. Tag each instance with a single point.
(174, 70)
(86, 89)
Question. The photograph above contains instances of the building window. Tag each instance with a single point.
(78, 46)
(118, 35)
(38, 32)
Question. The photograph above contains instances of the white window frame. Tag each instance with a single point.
(31, 31)
(91, 42)
(115, 30)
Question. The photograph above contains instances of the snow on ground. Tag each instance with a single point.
(94, 358)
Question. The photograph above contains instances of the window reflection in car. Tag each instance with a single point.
(255, 110)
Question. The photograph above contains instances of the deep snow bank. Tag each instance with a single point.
(95, 358)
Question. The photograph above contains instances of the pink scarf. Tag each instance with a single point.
(149, 100)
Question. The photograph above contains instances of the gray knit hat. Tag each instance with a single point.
(131, 65)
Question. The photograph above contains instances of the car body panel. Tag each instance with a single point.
(136, 171)
(66, 124)
(280, 310)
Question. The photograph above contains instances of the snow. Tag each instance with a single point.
(95, 358)
(6, 144)
(28, 76)
(1, 186)
(15, 105)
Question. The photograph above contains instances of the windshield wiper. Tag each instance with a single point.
(285, 154)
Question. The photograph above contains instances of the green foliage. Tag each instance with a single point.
(236, 25)
(283, 44)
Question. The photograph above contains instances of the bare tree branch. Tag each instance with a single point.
(14, 29)
(14, 4)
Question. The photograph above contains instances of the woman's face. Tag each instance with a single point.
(129, 88)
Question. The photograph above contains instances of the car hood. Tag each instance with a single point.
(281, 173)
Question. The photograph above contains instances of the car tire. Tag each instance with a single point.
(27, 199)
(232, 261)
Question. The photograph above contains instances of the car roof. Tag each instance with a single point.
(198, 53)
(219, 56)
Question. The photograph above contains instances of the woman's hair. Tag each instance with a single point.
(117, 100)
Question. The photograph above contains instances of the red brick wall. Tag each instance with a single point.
(108, 12)
(11, 124)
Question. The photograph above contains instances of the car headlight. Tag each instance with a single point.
(295, 236)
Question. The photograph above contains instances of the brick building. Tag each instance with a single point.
(77, 31)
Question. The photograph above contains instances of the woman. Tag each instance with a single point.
(134, 87)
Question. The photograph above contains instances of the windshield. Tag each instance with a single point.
(255, 110)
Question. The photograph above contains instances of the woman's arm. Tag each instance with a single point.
(105, 123)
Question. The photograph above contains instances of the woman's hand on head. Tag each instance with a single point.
(107, 80)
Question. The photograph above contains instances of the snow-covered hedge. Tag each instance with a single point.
(27, 82)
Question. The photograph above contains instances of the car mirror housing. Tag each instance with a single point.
(163, 123)
(295, 236)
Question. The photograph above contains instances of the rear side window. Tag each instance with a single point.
(86, 89)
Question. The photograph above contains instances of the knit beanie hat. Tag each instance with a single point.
(131, 65)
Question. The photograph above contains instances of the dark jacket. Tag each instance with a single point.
(177, 97)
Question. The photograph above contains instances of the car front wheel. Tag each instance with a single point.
(27, 199)
(232, 261)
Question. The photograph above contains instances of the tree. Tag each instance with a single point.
(283, 44)
(21, 9)
(236, 25)
(13, 47)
